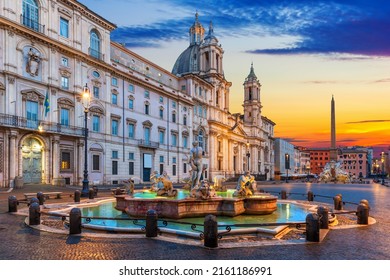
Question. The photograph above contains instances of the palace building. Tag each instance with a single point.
(140, 117)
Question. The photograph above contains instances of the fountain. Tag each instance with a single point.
(202, 199)
(333, 173)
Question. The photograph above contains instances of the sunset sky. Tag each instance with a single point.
(303, 52)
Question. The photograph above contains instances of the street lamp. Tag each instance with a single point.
(248, 154)
(86, 99)
(383, 168)
(287, 164)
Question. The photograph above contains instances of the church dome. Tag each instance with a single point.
(187, 62)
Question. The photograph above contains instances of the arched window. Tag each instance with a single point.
(200, 139)
(94, 49)
(31, 14)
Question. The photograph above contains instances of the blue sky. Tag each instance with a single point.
(303, 51)
(355, 27)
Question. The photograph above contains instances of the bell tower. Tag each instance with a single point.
(196, 32)
(252, 104)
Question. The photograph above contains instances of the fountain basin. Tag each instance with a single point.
(190, 207)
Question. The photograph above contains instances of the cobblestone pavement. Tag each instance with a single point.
(20, 242)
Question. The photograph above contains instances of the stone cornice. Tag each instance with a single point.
(88, 13)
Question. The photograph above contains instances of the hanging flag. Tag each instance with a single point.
(47, 103)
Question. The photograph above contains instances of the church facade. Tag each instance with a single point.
(141, 117)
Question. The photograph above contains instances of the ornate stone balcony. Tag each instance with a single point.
(38, 125)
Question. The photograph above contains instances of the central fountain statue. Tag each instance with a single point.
(246, 185)
(333, 173)
(199, 188)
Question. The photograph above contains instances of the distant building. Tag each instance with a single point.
(318, 158)
(283, 148)
(354, 161)
(304, 159)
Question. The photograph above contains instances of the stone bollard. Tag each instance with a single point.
(312, 228)
(338, 202)
(362, 214)
(323, 214)
(310, 196)
(151, 223)
(41, 198)
(34, 217)
(283, 195)
(365, 201)
(91, 194)
(33, 200)
(210, 231)
(12, 204)
(75, 221)
(77, 195)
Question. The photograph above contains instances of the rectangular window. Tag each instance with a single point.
(174, 117)
(95, 162)
(146, 109)
(64, 116)
(183, 88)
(161, 136)
(114, 81)
(32, 114)
(64, 27)
(161, 168)
(161, 99)
(174, 160)
(174, 170)
(131, 156)
(131, 88)
(114, 99)
(131, 104)
(161, 113)
(161, 158)
(114, 154)
(185, 142)
(184, 167)
(65, 160)
(131, 168)
(131, 130)
(114, 167)
(114, 127)
(96, 123)
(147, 135)
(64, 82)
(174, 140)
(96, 92)
(173, 104)
(146, 94)
(65, 61)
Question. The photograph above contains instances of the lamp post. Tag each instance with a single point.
(86, 98)
(248, 154)
(287, 164)
(383, 167)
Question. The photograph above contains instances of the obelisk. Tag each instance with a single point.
(333, 150)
